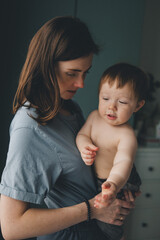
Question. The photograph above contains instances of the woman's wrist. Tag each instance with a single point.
(93, 210)
(88, 210)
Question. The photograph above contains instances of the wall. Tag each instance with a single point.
(150, 50)
(115, 24)
(117, 27)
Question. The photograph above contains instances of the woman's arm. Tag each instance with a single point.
(19, 221)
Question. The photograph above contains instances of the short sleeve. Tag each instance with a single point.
(32, 166)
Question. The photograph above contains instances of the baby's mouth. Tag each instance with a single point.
(111, 116)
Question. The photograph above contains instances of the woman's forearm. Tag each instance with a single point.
(18, 222)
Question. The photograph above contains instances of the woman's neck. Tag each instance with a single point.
(67, 107)
(65, 112)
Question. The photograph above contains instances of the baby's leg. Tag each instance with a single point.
(112, 232)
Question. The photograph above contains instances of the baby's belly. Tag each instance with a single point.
(103, 166)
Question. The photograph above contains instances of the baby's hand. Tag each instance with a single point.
(109, 192)
(88, 154)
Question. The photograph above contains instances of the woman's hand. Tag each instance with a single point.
(115, 213)
(129, 196)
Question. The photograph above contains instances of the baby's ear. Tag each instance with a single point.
(140, 104)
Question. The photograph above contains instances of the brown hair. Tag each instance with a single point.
(123, 73)
(60, 39)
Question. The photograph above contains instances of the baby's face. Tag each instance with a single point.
(116, 105)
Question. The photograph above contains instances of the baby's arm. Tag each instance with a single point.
(124, 159)
(109, 192)
(84, 143)
(121, 169)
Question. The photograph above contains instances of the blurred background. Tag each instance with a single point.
(126, 30)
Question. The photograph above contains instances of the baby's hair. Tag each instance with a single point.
(123, 73)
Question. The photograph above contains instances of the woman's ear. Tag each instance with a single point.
(140, 104)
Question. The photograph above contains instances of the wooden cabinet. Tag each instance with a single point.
(144, 221)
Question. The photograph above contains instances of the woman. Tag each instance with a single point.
(43, 164)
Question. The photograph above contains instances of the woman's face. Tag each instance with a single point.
(71, 74)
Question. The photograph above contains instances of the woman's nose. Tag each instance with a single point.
(79, 83)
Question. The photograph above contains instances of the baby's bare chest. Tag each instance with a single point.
(104, 137)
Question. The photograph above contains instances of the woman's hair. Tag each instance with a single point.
(123, 73)
(60, 39)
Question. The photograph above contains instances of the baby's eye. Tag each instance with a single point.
(104, 98)
(122, 102)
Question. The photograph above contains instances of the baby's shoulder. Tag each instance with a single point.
(127, 138)
(126, 131)
(93, 114)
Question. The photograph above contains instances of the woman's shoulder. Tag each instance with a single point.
(24, 118)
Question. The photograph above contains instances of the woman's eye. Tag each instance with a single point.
(85, 73)
(123, 102)
(70, 74)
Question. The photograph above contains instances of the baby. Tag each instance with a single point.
(107, 139)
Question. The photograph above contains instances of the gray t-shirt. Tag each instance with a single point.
(43, 163)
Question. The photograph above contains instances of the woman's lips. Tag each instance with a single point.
(72, 91)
